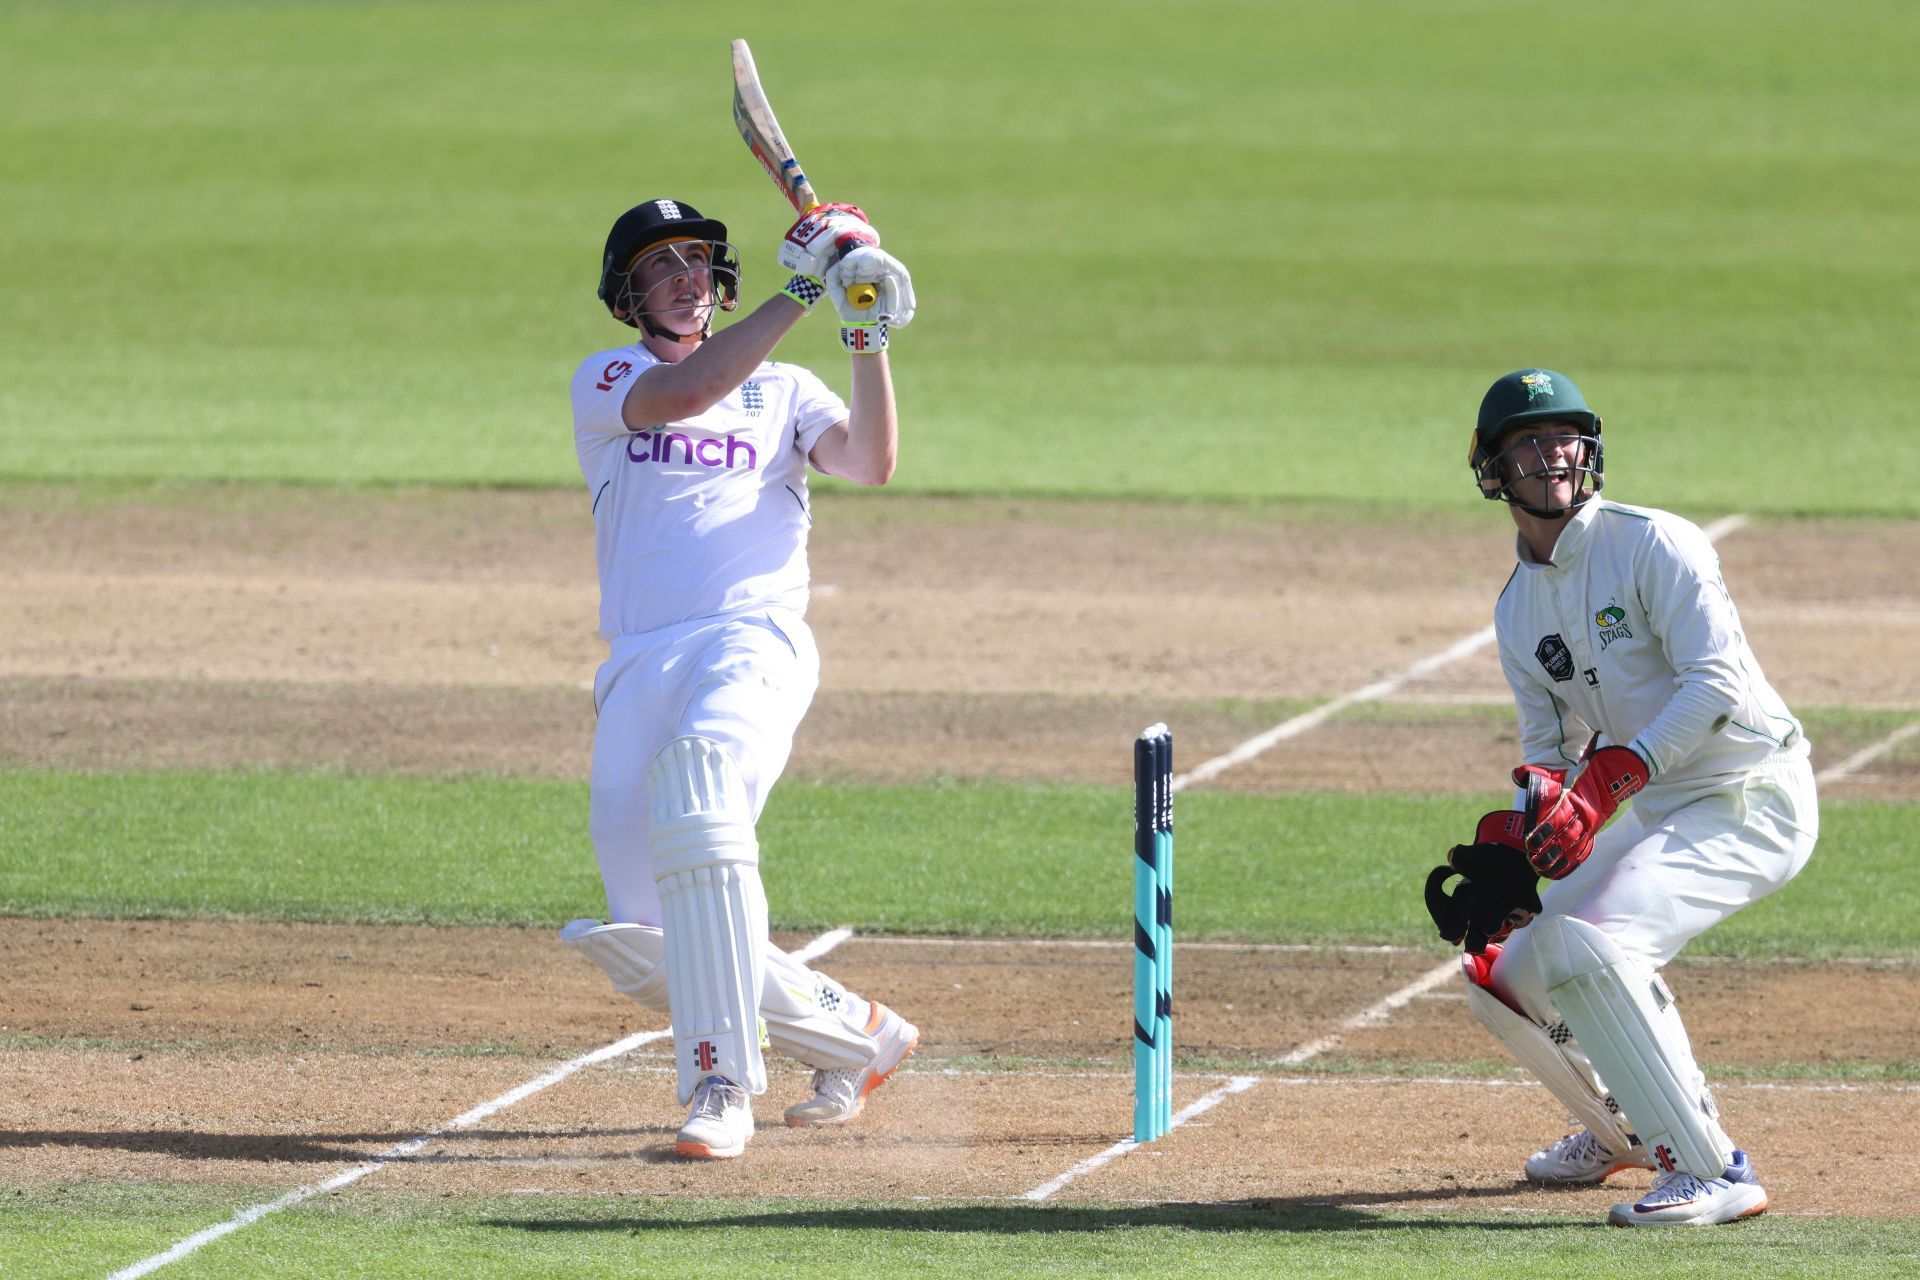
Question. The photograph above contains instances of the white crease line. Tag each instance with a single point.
(1376, 1012)
(1262, 742)
(1868, 755)
(818, 947)
(1323, 948)
(1293, 728)
(1115, 1074)
(1115, 944)
(1373, 1013)
(1239, 1084)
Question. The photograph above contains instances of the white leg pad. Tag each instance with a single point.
(713, 912)
(813, 1018)
(1565, 1077)
(632, 955)
(1622, 1018)
(808, 1016)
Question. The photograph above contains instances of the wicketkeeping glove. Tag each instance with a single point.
(822, 236)
(1561, 821)
(886, 273)
(1499, 892)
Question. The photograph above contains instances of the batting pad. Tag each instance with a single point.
(806, 1016)
(802, 1010)
(1535, 1050)
(1622, 1018)
(713, 912)
(631, 955)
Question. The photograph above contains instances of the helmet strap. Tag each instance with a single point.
(652, 330)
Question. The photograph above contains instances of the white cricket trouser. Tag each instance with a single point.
(744, 680)
(1667, 870)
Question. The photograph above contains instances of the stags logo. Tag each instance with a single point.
(615, 370)
(1612, 622)
(667, 447)
(1538, 383)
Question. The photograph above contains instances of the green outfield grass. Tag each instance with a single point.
(84, 1230)
(945, 858)
(1226, 250)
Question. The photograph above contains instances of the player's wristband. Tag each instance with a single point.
(805, 290)
(864, 339)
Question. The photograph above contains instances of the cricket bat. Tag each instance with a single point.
(753, 116)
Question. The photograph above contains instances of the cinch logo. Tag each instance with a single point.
(707, 451)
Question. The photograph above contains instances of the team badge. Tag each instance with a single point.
(1539, 383)
(669, 210)
(1554, 655)
(752, 398)
(1612, 622)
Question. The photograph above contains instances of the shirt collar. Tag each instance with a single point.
(1571, 542)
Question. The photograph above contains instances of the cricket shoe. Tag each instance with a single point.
(840, 1094)
(720, 1123)
(1680, 1199)
(1578, 1160)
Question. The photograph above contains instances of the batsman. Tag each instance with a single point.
(1691, 798)
(695, 446)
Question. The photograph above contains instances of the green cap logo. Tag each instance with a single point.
(1611, 616)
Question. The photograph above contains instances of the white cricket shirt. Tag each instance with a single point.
(1631, 632)
(704, 516)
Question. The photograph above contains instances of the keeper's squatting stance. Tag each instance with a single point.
(1616, 620)
(695, 446)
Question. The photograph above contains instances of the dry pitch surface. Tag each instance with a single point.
(439, 632)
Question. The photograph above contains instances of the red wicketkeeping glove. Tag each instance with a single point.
(1561, 821)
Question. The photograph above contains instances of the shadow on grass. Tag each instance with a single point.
(335, 1148)
(1353, 1212)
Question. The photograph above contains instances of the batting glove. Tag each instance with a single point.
(886, 273)
(823, 236)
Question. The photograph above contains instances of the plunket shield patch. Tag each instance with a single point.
(1554, 655)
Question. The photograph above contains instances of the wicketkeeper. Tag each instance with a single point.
(1616, 621)
(695, 448)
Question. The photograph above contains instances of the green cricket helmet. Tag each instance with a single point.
(1524, 396)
